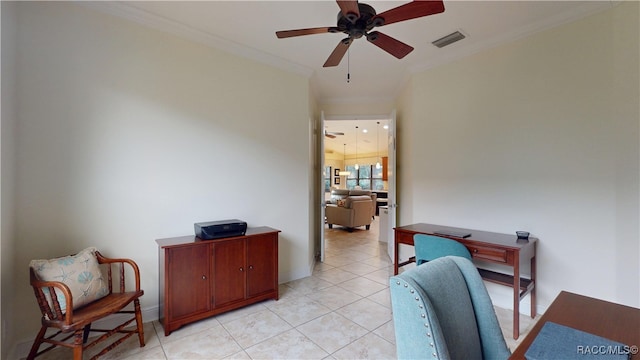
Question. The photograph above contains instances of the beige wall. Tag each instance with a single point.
(539, 135)
(7, 172)
(124, 131)
(127, 135)
(357, 108)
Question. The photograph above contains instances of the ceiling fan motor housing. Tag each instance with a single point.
(359, 27)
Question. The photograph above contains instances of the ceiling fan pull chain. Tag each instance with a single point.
(348, 66)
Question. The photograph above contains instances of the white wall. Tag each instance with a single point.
(7, 172)
(540, 135)
(127, 135)
(363, 107)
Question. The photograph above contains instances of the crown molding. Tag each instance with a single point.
(187, 32)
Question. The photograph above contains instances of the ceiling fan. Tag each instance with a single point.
(332, 134)
(358, 19)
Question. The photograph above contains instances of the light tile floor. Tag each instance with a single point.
(342, 311)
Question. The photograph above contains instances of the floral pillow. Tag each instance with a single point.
(80, 272)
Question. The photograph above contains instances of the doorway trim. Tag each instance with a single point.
(320, 168)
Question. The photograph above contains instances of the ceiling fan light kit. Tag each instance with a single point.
(358, 19)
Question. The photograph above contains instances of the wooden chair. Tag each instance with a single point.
(76, 323)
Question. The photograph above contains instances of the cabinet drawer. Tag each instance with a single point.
(404, 237)
(488, 253)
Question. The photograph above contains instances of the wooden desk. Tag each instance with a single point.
(609, 320)
(492, 247)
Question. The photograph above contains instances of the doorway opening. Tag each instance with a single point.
(356, 158)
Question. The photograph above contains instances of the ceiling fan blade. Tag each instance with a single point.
(332, 134)
(300, 32)
(349, 9)
(385, 42)
(338, 53)
(412, 10)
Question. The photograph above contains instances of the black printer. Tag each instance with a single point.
(220, 229)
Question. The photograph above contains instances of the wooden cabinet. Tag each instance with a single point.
(385, 168)
(189, 286)
(202, 278)
(260, 276)
(229, 271)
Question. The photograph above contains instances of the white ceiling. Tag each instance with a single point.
(247, 28)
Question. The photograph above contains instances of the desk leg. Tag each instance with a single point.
(516, 297)
(535, 285)
(395, 257)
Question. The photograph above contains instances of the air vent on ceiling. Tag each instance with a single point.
(449, 39)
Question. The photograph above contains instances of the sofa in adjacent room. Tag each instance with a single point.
(342, 194)
(350, 210)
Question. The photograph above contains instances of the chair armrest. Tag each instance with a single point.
(339, 215)
(362, 212)
(336, 210)
(136, 271)
(56, 312)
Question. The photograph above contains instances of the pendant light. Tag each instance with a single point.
(378, 166)
(344, 162)
(357, 166)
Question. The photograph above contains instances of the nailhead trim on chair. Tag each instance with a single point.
(424, 316)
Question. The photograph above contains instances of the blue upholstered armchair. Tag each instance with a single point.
(441, 310)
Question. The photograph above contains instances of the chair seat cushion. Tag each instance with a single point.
(80, 272)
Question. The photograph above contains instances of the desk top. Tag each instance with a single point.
(505, 240)
(598, 317)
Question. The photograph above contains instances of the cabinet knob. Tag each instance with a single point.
(204, 277)
(250, 267)
(241, 269)
(475, 251)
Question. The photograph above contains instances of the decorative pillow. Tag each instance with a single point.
(80, 272)
(341, 203)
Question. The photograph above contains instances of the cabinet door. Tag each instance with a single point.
(262, 264)
(229, 271)
(188, 280)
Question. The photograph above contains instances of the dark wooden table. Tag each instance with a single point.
(505, 250)
(598, 317)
